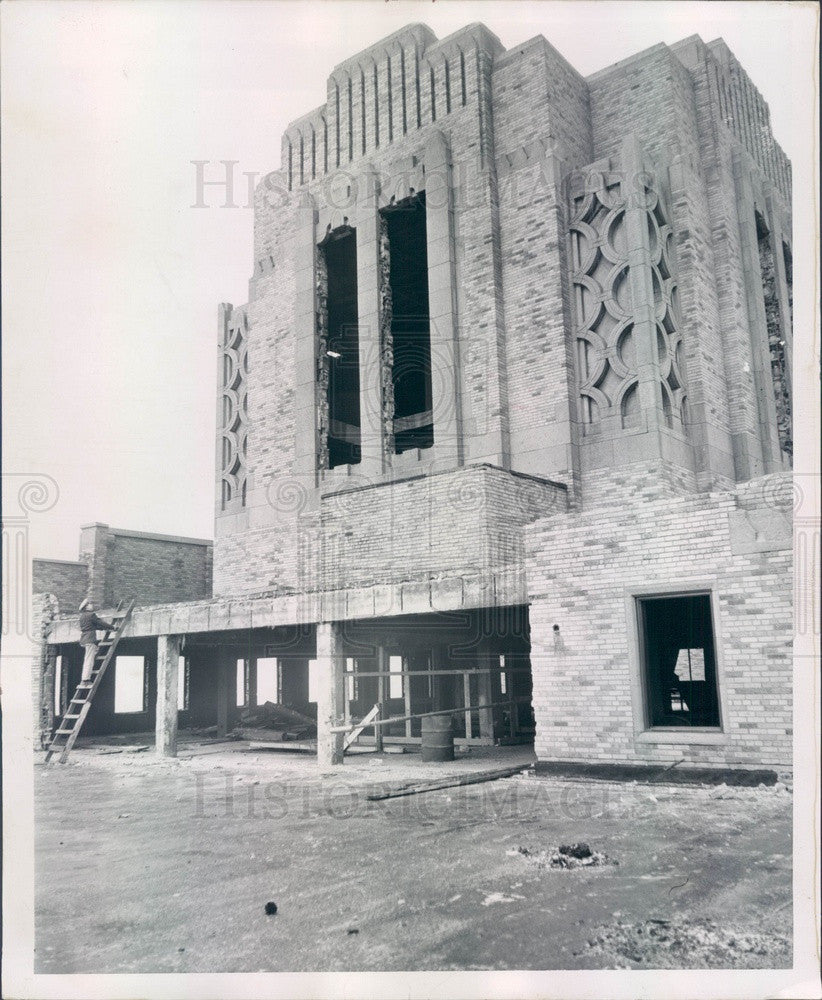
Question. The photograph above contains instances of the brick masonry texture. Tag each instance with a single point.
(583, 572)
(66, 581)
(522, 498)
(117, 565)
(519, 126)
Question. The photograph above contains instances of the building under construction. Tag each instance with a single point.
(504, 428)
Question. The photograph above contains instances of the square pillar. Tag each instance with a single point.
(223, 688)
(330, 693)
(485, 696)
(168, 658)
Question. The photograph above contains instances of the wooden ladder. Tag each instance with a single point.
(78, 708)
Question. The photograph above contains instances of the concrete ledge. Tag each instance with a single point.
(650, 773)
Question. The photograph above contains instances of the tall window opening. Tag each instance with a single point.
(342, 352)
(787, 257)
(129, 684)
(776, 336)
(268, 680)
(182, 684)
(58, 686)
(241, 683)
(395, 679)
(679, 661)
(410, 324)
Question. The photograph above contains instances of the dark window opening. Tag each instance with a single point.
(679, 661)
(787, 257)
(410, 324)
(343, 354)
(780, 374)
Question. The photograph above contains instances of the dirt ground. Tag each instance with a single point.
(167, 866)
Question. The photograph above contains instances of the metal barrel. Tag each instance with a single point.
(437, 738)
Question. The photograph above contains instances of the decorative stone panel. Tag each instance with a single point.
(605, 313)
(233, 408)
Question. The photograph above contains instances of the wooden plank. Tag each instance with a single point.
(466, 689)
(478, 777)
(436, 673)
(406, 694)
(419, 715)
(358, 728)
(382, 663)
(288, 745)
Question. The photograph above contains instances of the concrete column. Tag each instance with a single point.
(372, 422)
(382, 666)
(223, 687)
(485, 697)
(330, 693)
(442, 302)
(168, 658)
(438, 661)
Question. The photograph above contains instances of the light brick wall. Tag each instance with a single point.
(465, 522)
(582, 571)
(527, 120)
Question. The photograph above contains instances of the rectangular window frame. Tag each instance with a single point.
(183, 683)
(144, 708)
(683, 735)
(278, 670)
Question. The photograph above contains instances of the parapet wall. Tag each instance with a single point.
(116, 565)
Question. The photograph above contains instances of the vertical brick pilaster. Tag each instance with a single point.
(305, 361)
(445, 363)
(372, 423)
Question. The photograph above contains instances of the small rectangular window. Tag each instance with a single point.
(58, 686)
(679, 661)
(313, 686)
(268, 680)
(503, 677)
(351, 681)
(395, 689)
(129, 684)
(182, 684)
(242, 675)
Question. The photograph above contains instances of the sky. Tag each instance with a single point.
(111, 279)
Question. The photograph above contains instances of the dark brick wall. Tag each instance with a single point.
(67, 581)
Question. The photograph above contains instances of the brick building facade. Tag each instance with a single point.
(504, 427)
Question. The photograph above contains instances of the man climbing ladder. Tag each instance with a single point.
(89, 623)
(95, 662)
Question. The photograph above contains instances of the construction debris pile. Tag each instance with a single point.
(565, 856)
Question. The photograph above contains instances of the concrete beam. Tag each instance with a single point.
(168, 657)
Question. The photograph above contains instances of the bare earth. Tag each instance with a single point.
(166, 866)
